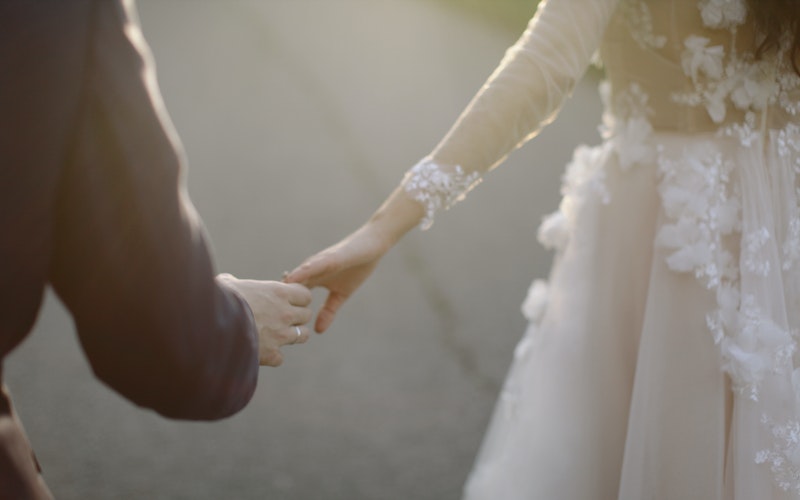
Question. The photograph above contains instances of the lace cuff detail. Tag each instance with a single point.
(437, 186)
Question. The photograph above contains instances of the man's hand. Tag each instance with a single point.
(280, 311)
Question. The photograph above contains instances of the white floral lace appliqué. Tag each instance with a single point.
(723, 13)
(716, 233)
(726, 78)
(437, 187)
(701, 198)
(787, 448)
(640, 23)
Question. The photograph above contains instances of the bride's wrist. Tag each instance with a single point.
(399, 214)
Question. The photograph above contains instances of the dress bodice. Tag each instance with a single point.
(695, 62)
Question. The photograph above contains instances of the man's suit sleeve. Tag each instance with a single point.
(131, 261)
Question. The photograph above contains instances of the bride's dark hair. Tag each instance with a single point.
(777, 19)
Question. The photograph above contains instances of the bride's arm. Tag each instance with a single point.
(522, 95)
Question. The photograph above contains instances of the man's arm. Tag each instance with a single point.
(130, 258)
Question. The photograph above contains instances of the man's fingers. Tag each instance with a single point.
(298, 295)
(271, 357)
(302, 315)
(298, 335)
(290, 335)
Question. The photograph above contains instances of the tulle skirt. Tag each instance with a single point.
(659, 362)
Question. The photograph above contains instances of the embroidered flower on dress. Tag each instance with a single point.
(553, 232)
(536, 302)
(755, 348)
(753, 245)
(702, 208)
(788, 147)
(789, 84)
(585, 178)
(745, 132)
(640, 23)
(791, 245)
(705, 66)
(784, 456)
(699, 57)
(723, 13)
(725, 316)
(749, 84)
(583, 182)
(753, 84)
(628, 128)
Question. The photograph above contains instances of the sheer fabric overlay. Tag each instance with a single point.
(661, 359)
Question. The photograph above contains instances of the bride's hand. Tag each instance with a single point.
(341, 269)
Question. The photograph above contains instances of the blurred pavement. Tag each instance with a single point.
(298, 117)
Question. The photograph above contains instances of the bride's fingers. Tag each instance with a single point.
(328, 312)
(304, 271)
(298, 275)
(312, 270)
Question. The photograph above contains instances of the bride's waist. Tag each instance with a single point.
(682, 118)
(669, 113)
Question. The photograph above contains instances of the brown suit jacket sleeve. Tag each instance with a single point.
(122, 245)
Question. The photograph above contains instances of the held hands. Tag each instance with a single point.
(341, 269)
(280, 311)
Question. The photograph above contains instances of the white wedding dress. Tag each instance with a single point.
(661, 360)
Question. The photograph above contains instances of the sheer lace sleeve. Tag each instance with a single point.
(522, 95)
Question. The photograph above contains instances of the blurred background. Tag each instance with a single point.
(298, 117)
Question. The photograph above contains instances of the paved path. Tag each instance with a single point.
(298, 117)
